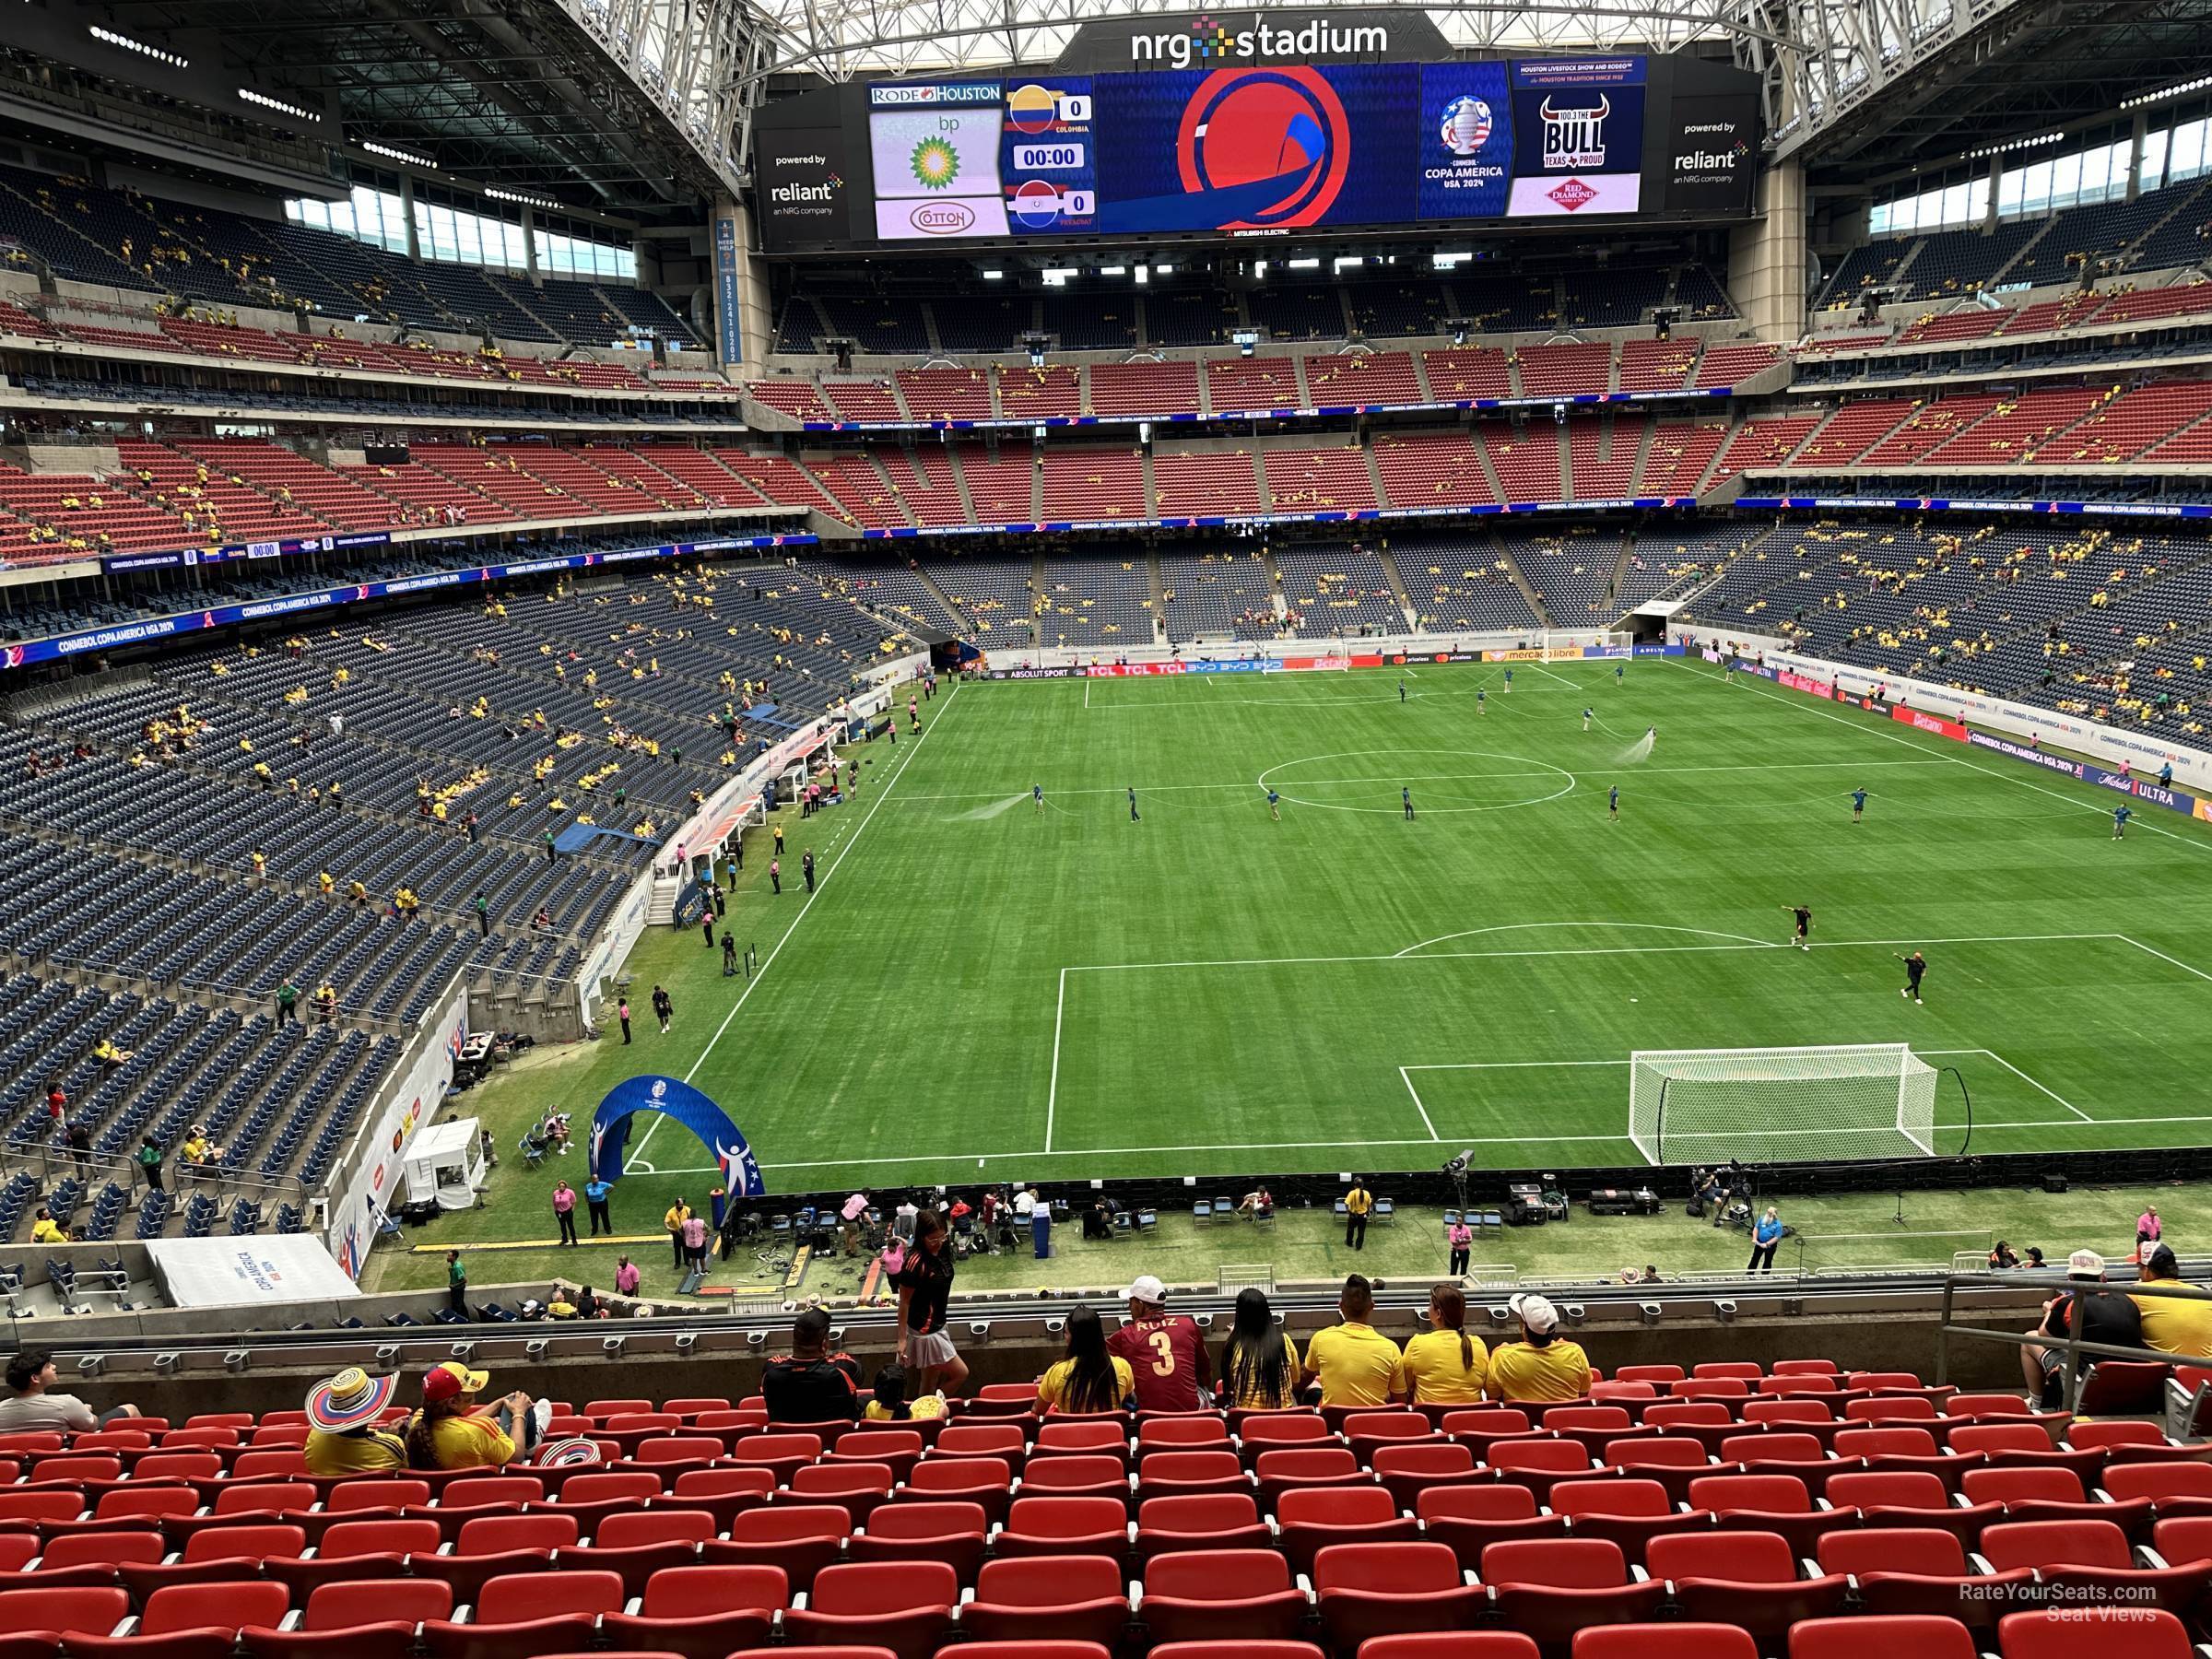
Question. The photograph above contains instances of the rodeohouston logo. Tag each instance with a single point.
(1254, 127)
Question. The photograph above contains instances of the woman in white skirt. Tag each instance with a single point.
(924, 1291)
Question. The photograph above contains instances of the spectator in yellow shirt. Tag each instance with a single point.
(1444, 1366)
(46, 1230)
(1089, 1378)
(890, 1404)
(1359, 1203)
(2173, 1325)
(1355, 1363)
(1259, 1361)
(343, 1437)
(452, 1431)
(1540, 1367)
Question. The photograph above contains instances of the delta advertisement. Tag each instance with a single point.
(117, 636)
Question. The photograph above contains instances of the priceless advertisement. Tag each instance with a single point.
(1578, 137)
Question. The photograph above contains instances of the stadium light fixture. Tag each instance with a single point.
(1165, 270)
(109, 37)
(2013, 143)
(498, 195)
(995, 276)
(262, 100)
(393, 153)
(2164, 93)
(1301, 264)
(1143, 273)
(1113, 270)
(1346, 261)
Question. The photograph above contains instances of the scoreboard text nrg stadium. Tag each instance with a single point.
(1272, 125)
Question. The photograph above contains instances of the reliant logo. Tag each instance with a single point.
(1708, 162)
(1574, 140)
(1209, 43)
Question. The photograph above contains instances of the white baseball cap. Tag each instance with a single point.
(1535, 1312)
(2085, 1264)
(1145, 1288)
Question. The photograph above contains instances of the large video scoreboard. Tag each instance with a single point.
(1256, 150)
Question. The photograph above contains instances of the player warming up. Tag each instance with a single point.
(1858, 804)
(1915, 965)
(1274, 807)
(1613, 804)
(2120, 816)
(1481, 700)
(1804, 924)
(1406, 794)
(1133, 804)
(1037, 795)
(1619, 671)
(1585, 720)
(1401, 690)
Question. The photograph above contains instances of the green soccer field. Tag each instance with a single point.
(982, 987)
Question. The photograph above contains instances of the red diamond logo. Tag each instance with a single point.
(1572, 194)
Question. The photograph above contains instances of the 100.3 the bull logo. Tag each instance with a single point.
(1574, 138)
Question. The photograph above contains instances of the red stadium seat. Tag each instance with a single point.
(1471, 1518)
(1186, 1473)
(723, 1493)
(951, 1533)
(1683, 1641)
(2091, 1559)
(1921, 1572)
(802, 1538)
(353, 1550)
(527, 1613)
(700, 1612)
(1059, 1526)
(1909, 1498)
(781, 1454)
(1776, 1503)
(904, 1605)
(1628, 1511)
(354, 1621)
(1673, 1461)
(1066, 1598)
(1901, 1636)
(1451, 1644)
(1002, 1441)
(365, 1494)
(2063, 1633)
(898, 1449)
(1745, 1579)
(1311, 1520)
(1193, 1430)
(1205, 1596)
(1551, 1588)
(1213, 1521)
(1277, 1472)
(2172, 1489)
(983, 1480)
(1368, 1590)
(1408, 1470)
(1228, 1650)
(191, 1621)
(855, 1488)
(1540, 1464)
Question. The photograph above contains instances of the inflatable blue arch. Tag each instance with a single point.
(610, 1131)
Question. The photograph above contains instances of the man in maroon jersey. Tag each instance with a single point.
(1166, 1353)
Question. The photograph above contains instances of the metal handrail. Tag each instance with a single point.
(2073, 1345)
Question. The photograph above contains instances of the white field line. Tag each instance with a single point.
(991, 795)
(1052, 1094)
(820, 886)
(1416, 1093)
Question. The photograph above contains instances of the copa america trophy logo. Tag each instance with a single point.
(1465, 127)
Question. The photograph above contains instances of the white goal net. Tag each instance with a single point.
(1765, 1105)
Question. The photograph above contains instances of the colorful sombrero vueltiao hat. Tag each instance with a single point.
(352, 1399)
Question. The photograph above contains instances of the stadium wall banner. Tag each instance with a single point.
(368, 1171)
(1207, 521)
(2164, 510)
(1191, 418)
(1885, 694)
(223, 615)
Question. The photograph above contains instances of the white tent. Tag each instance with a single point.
(445, 1162)
(230, 1273)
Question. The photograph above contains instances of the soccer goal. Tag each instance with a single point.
(1874, 1100)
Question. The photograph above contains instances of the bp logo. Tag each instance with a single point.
(934, 163)
(1465, 127)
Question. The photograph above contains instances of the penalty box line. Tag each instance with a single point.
(1406, 1072)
